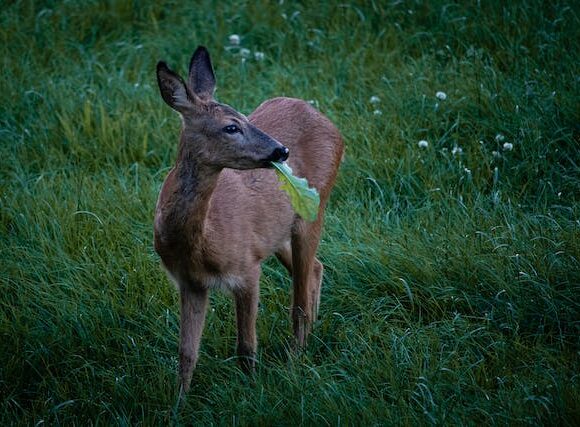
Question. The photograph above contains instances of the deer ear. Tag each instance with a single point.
(173, 89)
(201, 76)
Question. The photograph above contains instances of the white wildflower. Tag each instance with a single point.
(259, 56)
(423, 144)
(374, 99)
(234, 39)
(495, 154)
(377, 112)
(500, 137)
(245, 52)
(457, 150)
(313, 102)
(441, 95)
(467, 171)
(508, 146)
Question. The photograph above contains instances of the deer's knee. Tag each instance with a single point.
(187, 363)
(186, 366)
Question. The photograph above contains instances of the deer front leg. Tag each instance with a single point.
(246, 313)
(193, 308)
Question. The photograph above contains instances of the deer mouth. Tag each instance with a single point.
(267, 164)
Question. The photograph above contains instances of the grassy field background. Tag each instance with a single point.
(452, 286)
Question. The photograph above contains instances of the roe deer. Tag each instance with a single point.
(220, 211)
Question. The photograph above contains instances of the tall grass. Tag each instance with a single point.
(452, 271)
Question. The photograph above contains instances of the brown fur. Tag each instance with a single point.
(220, 213)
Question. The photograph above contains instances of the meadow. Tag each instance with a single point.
(452, 283)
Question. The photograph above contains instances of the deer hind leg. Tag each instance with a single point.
(306, 277)
(193, 303)
(316, 287)
(315, 278)
(285, 257)
(246, 313)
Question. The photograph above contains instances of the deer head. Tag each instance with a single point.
(213, 134)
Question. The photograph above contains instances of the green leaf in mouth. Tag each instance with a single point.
(304, 200)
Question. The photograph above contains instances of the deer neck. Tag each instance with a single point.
(195, 184)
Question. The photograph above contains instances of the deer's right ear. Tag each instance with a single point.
(201, 77)
(173, 89)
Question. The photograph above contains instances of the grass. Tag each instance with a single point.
(452, 284)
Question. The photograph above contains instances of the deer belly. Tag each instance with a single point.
(223, 282)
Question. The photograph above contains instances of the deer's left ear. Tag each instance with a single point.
(173, 89)
(201, 77)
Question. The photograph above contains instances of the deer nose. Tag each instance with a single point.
(279, 154)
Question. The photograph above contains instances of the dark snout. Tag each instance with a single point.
(280, 154)
(269, 149)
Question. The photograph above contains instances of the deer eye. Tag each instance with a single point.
(231, 129)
